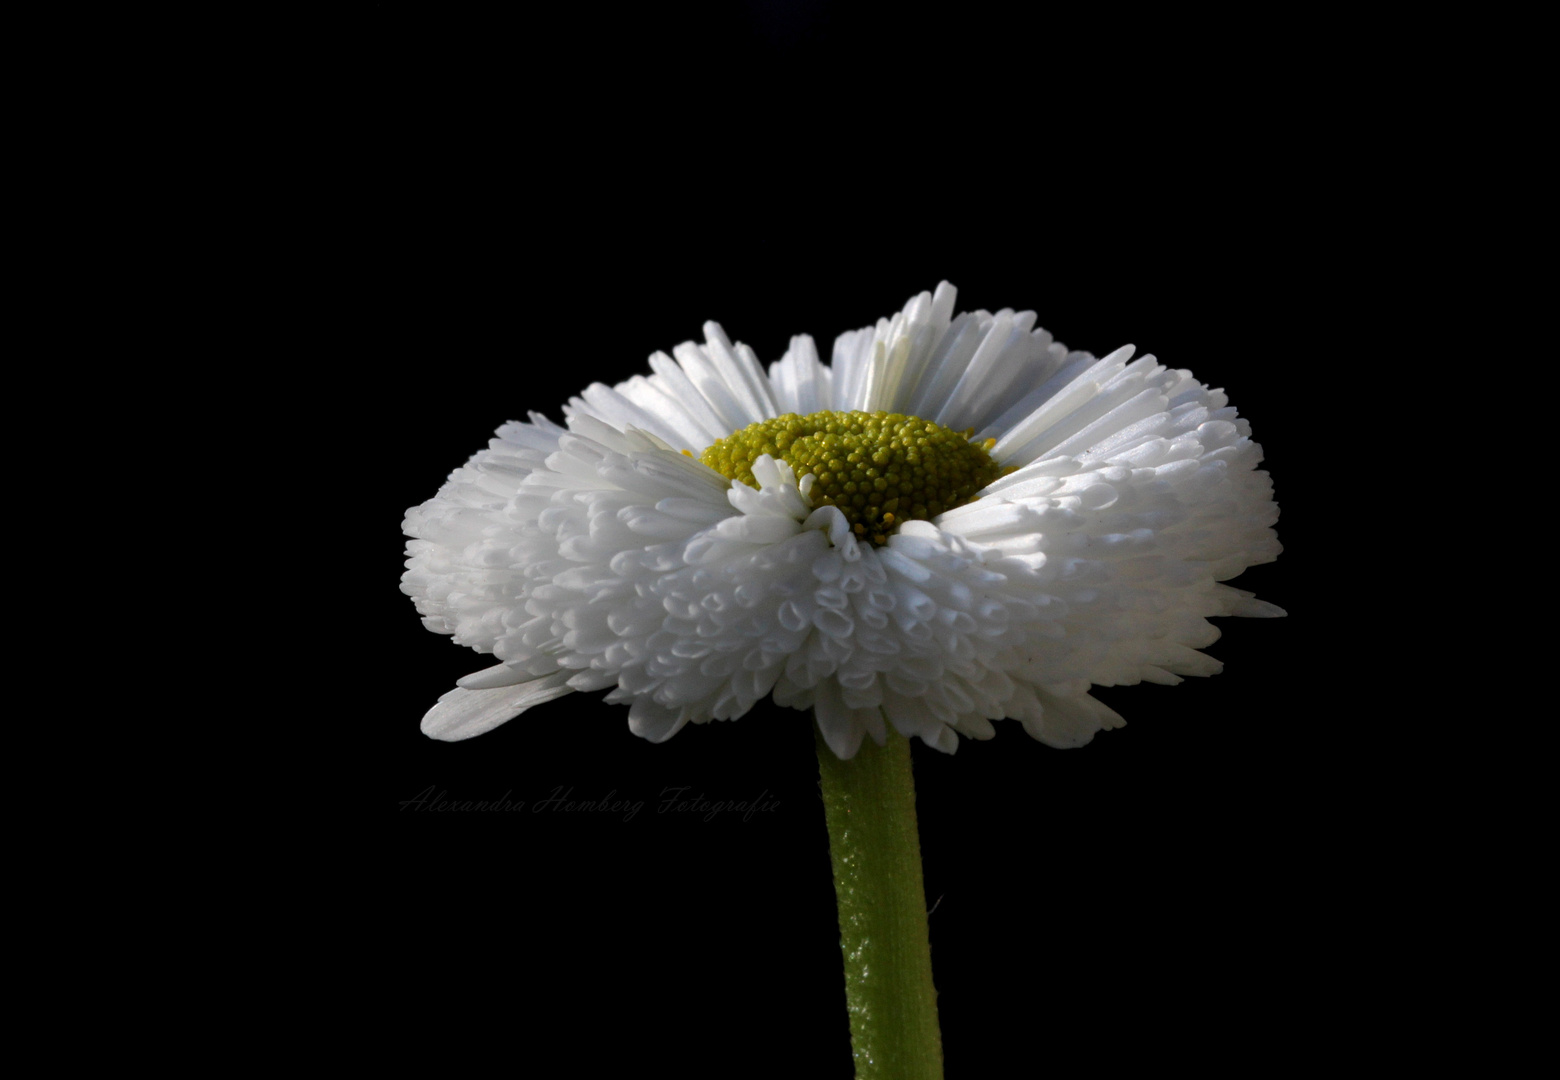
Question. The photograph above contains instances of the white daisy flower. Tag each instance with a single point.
(956, 521)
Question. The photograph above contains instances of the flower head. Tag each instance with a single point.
(956, 521)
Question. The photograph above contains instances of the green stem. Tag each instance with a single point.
(869, 802)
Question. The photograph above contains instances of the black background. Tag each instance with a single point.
(489, 236)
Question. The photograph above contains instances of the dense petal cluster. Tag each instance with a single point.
(605, 555)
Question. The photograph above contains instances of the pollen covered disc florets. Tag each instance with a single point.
(878, 468)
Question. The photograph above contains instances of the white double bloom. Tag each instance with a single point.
(599, 555)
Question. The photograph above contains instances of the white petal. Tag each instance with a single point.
(802, 385)
(494, 677)
(841, 729)
(739, 368)
(655, 722)
(711, 388)
(461, 714)
(616, 409)
(983, 381)
(672, 381)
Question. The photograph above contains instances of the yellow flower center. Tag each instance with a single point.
(879, 468)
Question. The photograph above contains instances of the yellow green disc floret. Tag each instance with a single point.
(879, 468)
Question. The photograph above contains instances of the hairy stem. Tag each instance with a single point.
(869, 803)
